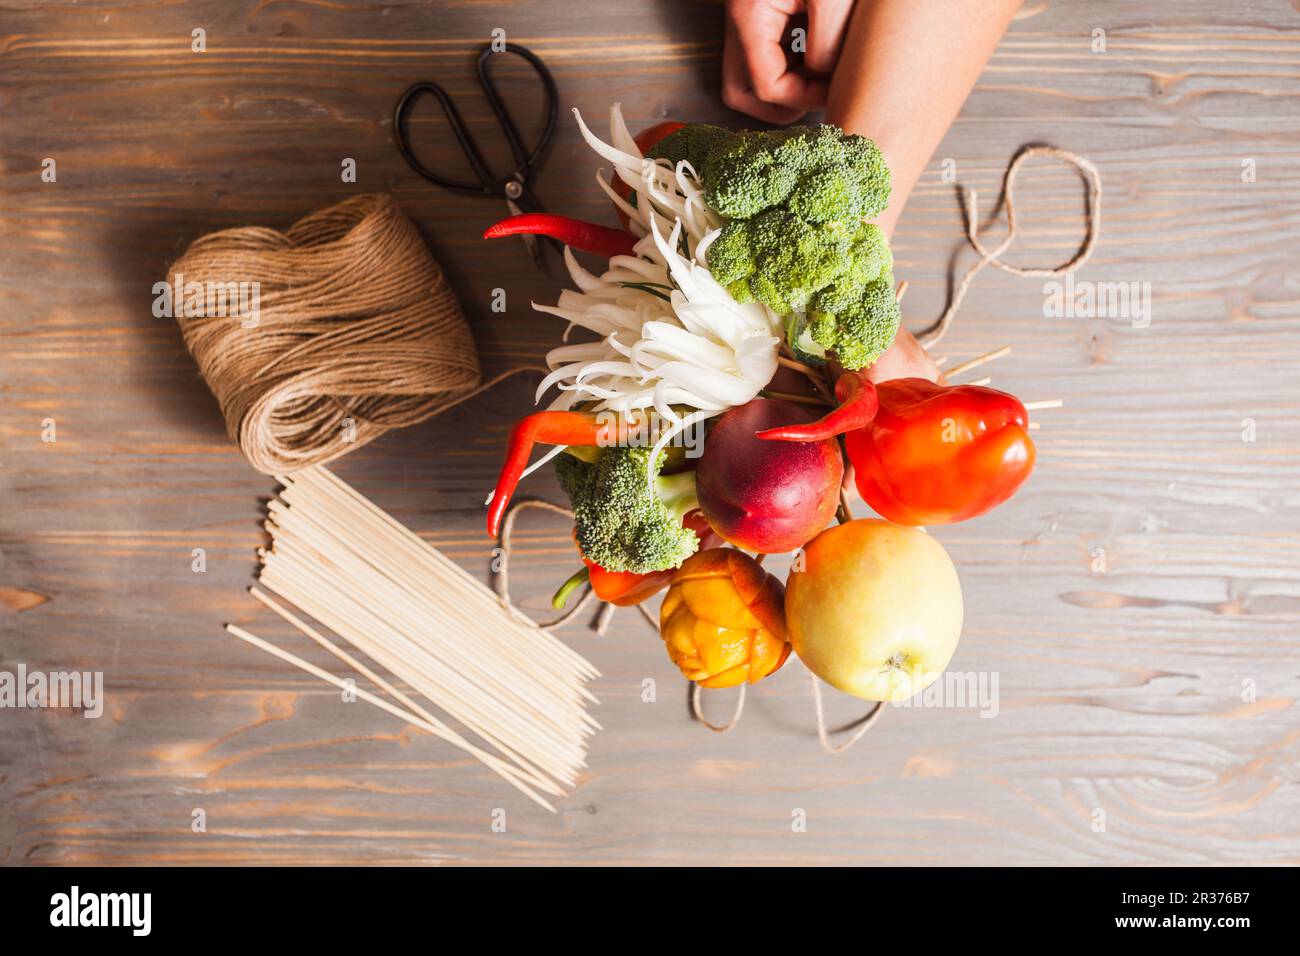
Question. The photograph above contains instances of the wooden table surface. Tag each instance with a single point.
(1139, 601)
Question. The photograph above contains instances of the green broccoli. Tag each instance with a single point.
(796, 239)
(859, 330)
(818, 173)
(625, 522)
(692, 142)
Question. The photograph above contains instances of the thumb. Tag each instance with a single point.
(827, 21)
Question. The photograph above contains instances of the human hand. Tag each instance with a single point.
(757, 78)
(906, 358)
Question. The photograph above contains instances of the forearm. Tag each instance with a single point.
(905, 70)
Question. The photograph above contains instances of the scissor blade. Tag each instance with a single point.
(534, 247)
(535, 250)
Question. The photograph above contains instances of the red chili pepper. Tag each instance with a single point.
(858, 404)
(935, 454)
(587, 236)
(626, 588)
(555, 428)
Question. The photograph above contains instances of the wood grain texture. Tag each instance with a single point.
(1120, 670)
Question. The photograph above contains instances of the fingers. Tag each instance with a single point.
(762, 29)
(827, 21)
(738, 90)
(906, 358)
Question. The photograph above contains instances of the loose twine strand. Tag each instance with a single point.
(354, 325)
(989, 257)
(863, 723)
(699, 714)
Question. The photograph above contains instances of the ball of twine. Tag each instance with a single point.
(355, 332)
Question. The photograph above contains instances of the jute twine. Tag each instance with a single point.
(989, 257)
(356, 332)
(502, 577)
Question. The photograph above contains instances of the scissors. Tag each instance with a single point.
(514, 188)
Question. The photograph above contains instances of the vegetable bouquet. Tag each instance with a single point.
(743, 256)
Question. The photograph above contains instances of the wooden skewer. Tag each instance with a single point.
(384, 590)
(796, 365)
(1034, 426)
(900, 291)
(813, 375)
(1045, 403)
(493, 763)
(411, 705)
(941, 361)
(978, 360)
(980, 381)
(792, 397)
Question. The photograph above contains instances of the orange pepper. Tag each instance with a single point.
(723, 619)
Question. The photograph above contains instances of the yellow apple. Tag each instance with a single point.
(875, 609)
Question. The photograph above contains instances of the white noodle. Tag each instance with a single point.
(679, 338)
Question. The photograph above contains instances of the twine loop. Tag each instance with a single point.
(501, 580)
(990, 257)
(698, 713)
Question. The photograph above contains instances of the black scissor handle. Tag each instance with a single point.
(487, 184)
(524, 160)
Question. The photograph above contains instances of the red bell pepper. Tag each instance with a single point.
(587, 236)
(936, 454)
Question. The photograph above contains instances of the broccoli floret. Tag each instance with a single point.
(784, 262)
(866, 260)
(794, 258)
(693, 143)
(623, 521)
(817, 172)
(857, 332)
(730, 257)
(796, 239)
(743, 175)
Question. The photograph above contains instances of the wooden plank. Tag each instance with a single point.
(1146, 575)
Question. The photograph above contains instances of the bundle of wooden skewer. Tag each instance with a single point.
(397, 600)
